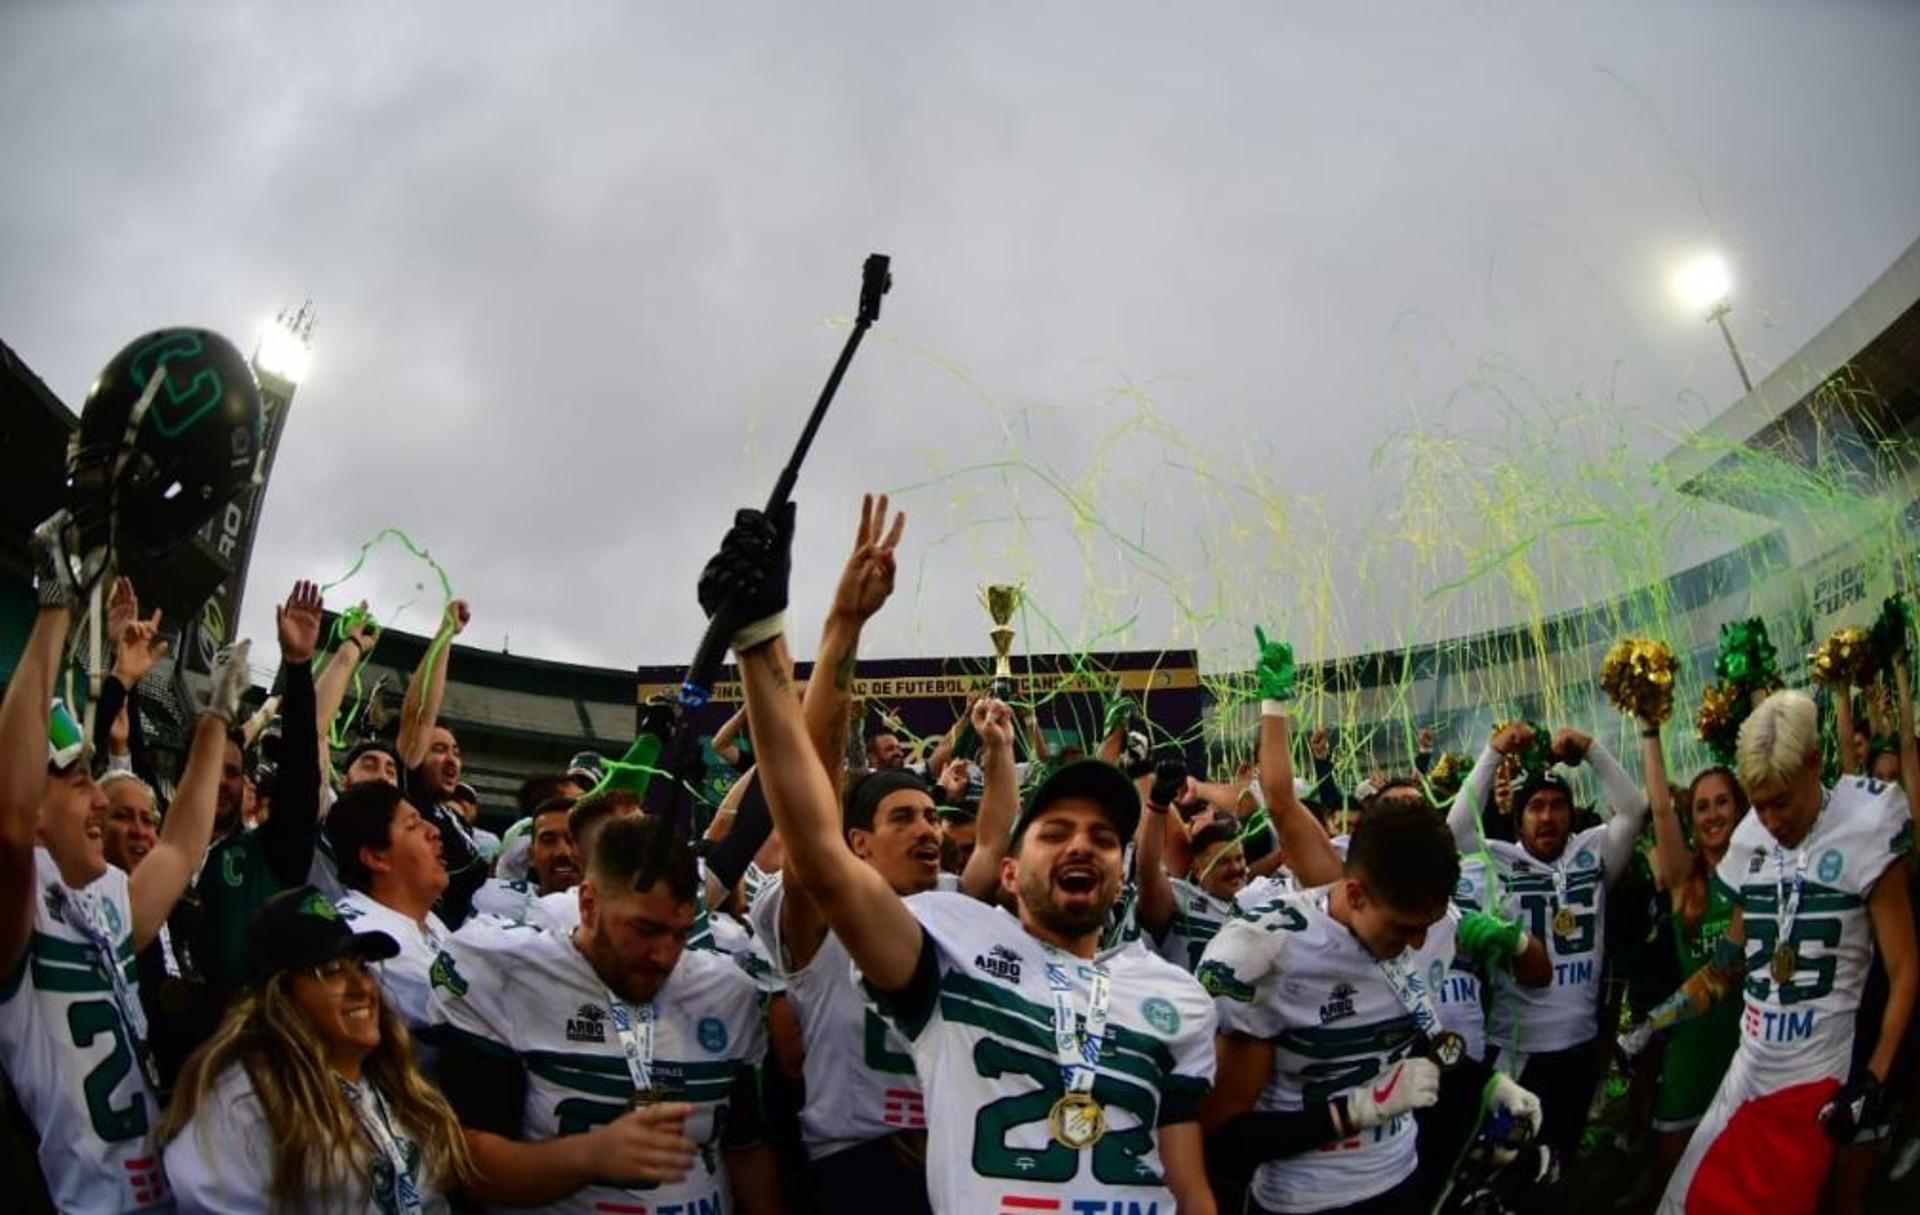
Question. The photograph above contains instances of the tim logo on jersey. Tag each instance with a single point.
(999, 962)
(1339, 1003)
(587, 1024)
(1023, 1204)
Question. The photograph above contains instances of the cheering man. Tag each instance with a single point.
(1548, 1036)
(1818, 883)
(1054, 1074)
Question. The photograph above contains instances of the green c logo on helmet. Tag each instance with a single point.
(177, 406)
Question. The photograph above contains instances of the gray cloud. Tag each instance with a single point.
(579, 267)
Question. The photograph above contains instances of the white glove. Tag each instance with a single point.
(1411, 1084)
(1634, 1039)
(1516, 1103)
(231, 678)
(53, 573)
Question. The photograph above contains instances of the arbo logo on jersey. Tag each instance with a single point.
(999, 963)
(587, 1024)
(1021, 1204)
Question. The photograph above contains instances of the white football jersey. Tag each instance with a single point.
(1802, 1030)
(534, 995)
(1197, 917)
(859, 1073)
(982, 1041)
(404, 978)
(1461, 1009)
(69, 1053)
(1566, 1012)
(221, 1163)
(1298, 978)
(508, 900)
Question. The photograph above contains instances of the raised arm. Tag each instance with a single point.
(725, 739)
(330, 686)
(23, 746)
(162, 878)
(745, 588)
(1309, 852)
(1629, 805)
(865, 583)
(999, 798)
(1463, 817)
(950, 741)
(1843, 726)
(288, 836)
(1156, 906)
(1672, 859)
(420, 711)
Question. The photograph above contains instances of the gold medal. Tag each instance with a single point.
(1563, 922)
(1447, 1050)
(643, 1097)
(1077, 1122)
(1786, 960)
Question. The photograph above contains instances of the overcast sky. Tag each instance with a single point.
(581, 268)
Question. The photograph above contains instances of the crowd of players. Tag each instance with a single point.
(1096, 985)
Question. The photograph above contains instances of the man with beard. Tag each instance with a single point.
(1547, 1037)
(553, 864)
(1055, 1075)
(245, 868)
(610, 1068)
(863, 1121)
(73, 1035)
(431, 766)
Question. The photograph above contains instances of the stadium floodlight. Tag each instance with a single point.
(1705, 286)
(282, 352)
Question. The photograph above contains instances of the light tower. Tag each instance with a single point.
(1705, 285)
(282, 356)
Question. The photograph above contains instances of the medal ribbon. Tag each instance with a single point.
(1787, 906)
(635, 1027)
(1559, 887)
(370, 1110)
(1078, 1054)
(1412, 992)
(81, 913)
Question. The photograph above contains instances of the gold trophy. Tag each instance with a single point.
(1001, 603)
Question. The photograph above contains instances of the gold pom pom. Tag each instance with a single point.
(1637, 676)
(1846, 658)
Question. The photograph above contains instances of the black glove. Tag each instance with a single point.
(744, 586)
(1859, 1103)
(1169, 782)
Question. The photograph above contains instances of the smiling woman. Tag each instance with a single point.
(308, 1098)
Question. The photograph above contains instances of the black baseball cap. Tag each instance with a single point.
(1538, 782)
(866, 793)
(1097, 781)
(300, 929)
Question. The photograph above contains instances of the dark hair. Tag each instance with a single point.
(541, 787)
(362, 817)
(1406, 855)
(863, 796)
(590, 811)
(1210, 836)
(640, 853)
(374, 744)
(1403, 783)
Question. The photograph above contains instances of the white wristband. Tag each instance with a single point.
(760, 632)
(1273, 708)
